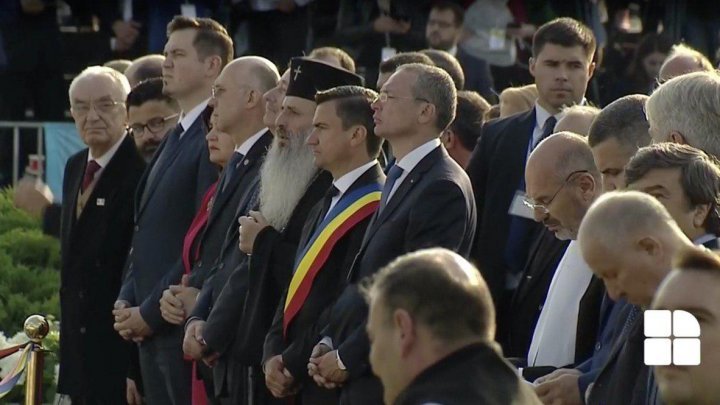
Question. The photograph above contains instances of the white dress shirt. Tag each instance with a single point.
(245, 147)
(105, 158)
(187, 120)
(553, 342)
(347, 180)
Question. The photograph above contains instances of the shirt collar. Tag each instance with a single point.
(704, 239)
(347, 180)
(245, 147)
(187, 119)
(411, 160)
(107, 156)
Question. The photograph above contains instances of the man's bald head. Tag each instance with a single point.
(143, 68)
(682, 60)
(560, 154)
(577, 119)
(255, 70)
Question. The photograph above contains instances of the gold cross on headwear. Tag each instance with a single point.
(297, 72)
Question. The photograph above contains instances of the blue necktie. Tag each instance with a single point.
(393, 174)
(230, 169)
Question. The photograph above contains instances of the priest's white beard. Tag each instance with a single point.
(284, 177)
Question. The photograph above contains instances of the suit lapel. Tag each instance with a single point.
(518, 148)
(75, 188)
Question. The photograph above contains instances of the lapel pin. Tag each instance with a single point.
(100, 202)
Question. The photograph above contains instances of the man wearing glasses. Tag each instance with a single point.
(562, 182)
(151, 114)
(97, 219)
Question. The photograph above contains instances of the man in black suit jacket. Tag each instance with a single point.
(427, 201)
(562, 66)
(443, 32)
(432, 324)
(612, 229)
(97, 218)
(167, 198)
(344, 144)
(271, 235)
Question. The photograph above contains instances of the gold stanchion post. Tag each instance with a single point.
(36, 328)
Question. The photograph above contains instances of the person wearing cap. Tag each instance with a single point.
(427, 201)
(290, 185)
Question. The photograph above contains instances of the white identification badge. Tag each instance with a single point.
(518, 208)
(100, 202)
(387, 53)
(188, 10)
(497, 39)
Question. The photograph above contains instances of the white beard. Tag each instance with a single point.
(284, 178)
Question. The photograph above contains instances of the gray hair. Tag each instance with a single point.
(437, 87)
(688, 104)
(684, 51)
(121, 82)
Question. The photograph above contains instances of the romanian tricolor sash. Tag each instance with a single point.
(351, 209)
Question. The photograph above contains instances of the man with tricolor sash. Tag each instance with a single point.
(427, 201)
(343, 143)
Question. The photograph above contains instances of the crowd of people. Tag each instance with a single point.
(235, 233)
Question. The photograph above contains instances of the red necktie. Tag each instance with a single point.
(90, 170)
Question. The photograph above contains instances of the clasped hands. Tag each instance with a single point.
(178, 301)
(250, 227)
(324, 369)
(129, 323)
(194, 345)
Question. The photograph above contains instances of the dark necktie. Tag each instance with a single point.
(393, 175)
(327, 200)
(547, 129)
(90, 170)
(230, 169)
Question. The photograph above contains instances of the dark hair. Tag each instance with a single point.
(698, 260)
(650, 43)
(699, 175)
(456, 9)
(565, 32)
(469, 117)
(148, 90)
(435, 85)
(391, 64)
(428, 284)
(211, 38)
(353, 108)
(624, 120)
(445, 61)
(346, 62)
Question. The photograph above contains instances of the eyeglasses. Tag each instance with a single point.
(101, 107)
(544, 208)
(154, 125)
(216, 91)
(383, 97)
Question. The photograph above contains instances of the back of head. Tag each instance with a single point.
(261, 70)
(577, 119)
(435, 85)
(564, 153)
(469, 117)
(566, 32)
(448, 63)
(335, 56)
(353, 108)
(441, 291)
(688, 105)
(514, 100)
(149, 90)
(211, 37)
(120, 65)
(143, 68)
(681, 60)
(699, 174)
(623, 120)
(393, 63)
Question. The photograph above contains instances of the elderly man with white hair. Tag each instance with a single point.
(682, 60)
(686, 110)
(97, 223)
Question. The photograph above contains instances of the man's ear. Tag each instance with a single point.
(405, 327)
(213, 65)
(447, 137)
(677, 137)
(427, 114)
(358, 135)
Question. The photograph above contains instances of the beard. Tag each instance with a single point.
(284, 178)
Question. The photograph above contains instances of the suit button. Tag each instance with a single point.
(540, 307)
(130, 252)
(82, 330)
(137, 228)
(199, 263)
(221, 265)
(598, 345)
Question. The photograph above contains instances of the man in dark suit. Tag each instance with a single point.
(609, 235)
(427, 201)
(562, 66)
(344, 143)
(432, 324)
(166, 201)
(97, 218)
(272, 234)
(443, 32)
